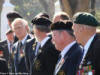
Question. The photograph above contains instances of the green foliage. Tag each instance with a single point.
(28, 8)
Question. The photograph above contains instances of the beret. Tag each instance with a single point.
(41, 22)
(60, 25)
(13, 14)
(85, 18)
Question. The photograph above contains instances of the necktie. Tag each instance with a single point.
(11, 45)
(20, 51)
(82, 57)
(38, 47)
(59, 58)
(57, 65)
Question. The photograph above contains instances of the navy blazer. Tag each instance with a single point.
(3, 67)
(4, 48)
(72, 60)
(44, 63)
(93, 55)
(20, 66)
(29, 53)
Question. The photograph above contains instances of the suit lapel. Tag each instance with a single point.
(6, 51)
(89, 54)
(46, 44)
(67, 55)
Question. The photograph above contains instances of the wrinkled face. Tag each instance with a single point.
(57, 39)
(19, 30)
(77, 32)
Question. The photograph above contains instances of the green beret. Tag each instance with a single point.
(85, 19)
(59, 25)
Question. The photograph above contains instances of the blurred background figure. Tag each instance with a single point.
(11, 16)
(3, 67)
(42, 14)
(19, 26)
(60, 16)
(6, 47)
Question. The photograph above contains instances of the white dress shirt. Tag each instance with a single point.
(86, 47)
(24, 39)
(42, 43)
(8, 42)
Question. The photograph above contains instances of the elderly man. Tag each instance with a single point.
(85, 31)
(11, 16)
(19, 26)
(6, 47)
(71, 53)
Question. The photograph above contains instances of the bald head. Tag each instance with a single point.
(60, 16)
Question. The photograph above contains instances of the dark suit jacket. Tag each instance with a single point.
(15, 39)
(72, 60)
(46, 59)
(29, 53)
(6, 55)
(4, 48)
(3, 66)
(93, 55)
(19, 66)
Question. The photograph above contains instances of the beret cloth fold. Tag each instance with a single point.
(41, 22)
(62, 25)
(86, 19)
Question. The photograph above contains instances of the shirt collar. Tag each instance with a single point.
(87, 45)
(44, 41)
(23, 41)
(67, 48)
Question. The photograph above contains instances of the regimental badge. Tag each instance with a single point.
(22, 55)
(37, 65)
(61, 72)
(39, 51)
(34, 46)
(60, 63)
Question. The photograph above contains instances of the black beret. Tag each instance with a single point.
(85, 19)
(14, 15)
(41, 22)
(60, 25)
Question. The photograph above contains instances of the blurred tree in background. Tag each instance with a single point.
(73, 6)
(27, 8)
(30, 8)
(1, 3)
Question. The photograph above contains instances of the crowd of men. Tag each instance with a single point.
(62, 46)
